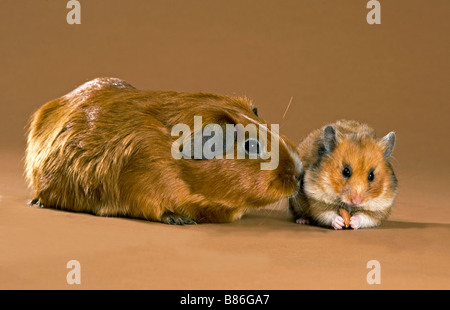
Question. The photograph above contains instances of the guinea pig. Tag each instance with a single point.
(345, 166)
(106, 148)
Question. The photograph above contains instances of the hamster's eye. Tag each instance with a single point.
(252, 147)
(371, 176)
(347, 172)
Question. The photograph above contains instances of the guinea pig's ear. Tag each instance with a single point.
(387, 143)
(329, 138)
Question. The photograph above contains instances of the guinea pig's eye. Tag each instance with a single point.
(252, 147)
(371, 176)
(347, 172)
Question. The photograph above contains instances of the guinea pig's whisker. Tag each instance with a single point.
(285, 111)
(287, 108)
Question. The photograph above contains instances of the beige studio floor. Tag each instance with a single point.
(322, 54)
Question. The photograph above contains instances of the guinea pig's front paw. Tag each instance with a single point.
(338, 222)
(36, 202)
(355, 221)
(176, 219)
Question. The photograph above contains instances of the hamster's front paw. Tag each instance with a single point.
(176, 219)
(355, 221)
(338, 222)
(302, 220)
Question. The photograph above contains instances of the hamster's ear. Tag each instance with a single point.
(387, 143)
(329, 138)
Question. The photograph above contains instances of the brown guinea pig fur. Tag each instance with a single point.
(105, 148)
(345, 166)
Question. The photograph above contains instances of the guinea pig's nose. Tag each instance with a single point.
(295, 173)
(299, 171)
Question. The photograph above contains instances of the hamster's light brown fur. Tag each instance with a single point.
(326, 187)
(105, 148)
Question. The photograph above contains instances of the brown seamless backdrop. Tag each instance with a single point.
(322, 54)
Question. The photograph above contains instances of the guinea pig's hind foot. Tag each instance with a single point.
(36, 202)
(175, 219)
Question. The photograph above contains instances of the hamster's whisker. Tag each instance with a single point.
(393, 158)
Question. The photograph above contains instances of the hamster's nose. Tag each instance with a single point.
(357, 199)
